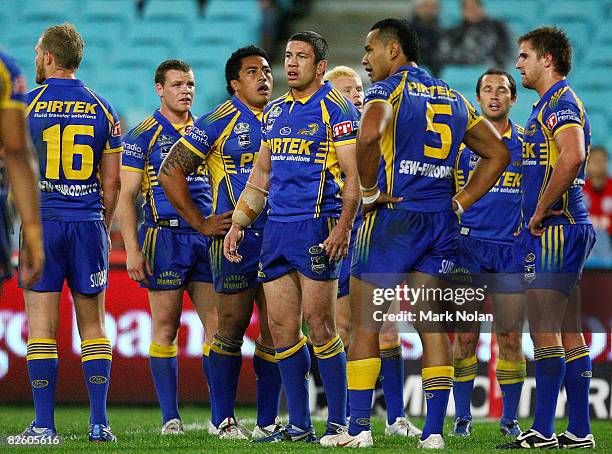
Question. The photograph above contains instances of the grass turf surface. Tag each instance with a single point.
(137, 430)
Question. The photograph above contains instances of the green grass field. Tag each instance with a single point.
(137, 430)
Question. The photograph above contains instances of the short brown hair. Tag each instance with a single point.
(553, 41)
(168, 65)
(65, 44)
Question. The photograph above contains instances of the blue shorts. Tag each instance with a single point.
(491, 264)
(6, 268)
(76, 252)
(345, 272)
(176, 257)
(231, 277)
(295, 246)
(556, 259)
(392, 243)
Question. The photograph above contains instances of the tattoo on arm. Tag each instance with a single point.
(180, 157)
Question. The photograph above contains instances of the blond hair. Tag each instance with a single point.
(341, 71)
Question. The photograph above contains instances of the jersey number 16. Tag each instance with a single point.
(61, 147)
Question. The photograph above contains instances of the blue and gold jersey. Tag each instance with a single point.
(420, 145)
(497, 215)
(71, 128)
(228, 139)
(557, 110)
(302, 135)
(12, 96)
(144, 150)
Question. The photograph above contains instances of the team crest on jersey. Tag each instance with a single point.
(551, 122)
(243, 130)
(473, 160)
(272, 116)
(165, 143)
(310, 130)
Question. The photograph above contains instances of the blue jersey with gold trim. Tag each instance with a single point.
(302, 135)
(228, 139)
(12, 96)
(144, 149)
(497, 215)
(420, 145)
(71, 128)
(557, 110)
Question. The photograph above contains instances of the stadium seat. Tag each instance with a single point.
(596, 78)
(101, 11)
(450, 13)
(243, 10)
(160, 34)
(177, 11)
(563, 11)
(50, 11)
(599, 126)
(463, 78)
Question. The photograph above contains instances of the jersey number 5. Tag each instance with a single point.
(441, 147)
(61, 146)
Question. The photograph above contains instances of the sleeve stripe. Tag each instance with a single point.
(474, 123)
(386, 101)
(564, 127)
(191, 148)
(108, 114)
(113, 150)
(132, 169)
(340, 143)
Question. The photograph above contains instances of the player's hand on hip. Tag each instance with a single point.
(138, 267)
(381, 200)
(217, 225)
(32, 255)
(535, 223)
(337, 243)
(231, 242)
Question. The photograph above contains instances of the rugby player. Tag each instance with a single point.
(21, 170)
(410, 226)
(77, 135)
(308, 141)
(348, 82)
(227, 140)
(166, 255)
(487, 256)
(556, 238)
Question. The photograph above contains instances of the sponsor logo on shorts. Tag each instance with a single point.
(169, 278)
(97, 379)
(235, 282)
(260, 272)
(530, 273)
(40, 383)
(315, 249)
(98, 279)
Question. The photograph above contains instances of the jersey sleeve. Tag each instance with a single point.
(562, 115)
(473, 115)
(135, 149)
(378, 92)
(113, 144)
(12, 85)
(344, 121)
(201, 137)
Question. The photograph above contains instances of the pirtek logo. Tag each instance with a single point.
(97, 379)
(40, 383)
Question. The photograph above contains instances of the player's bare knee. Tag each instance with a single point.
(388, 338)
(510, 346)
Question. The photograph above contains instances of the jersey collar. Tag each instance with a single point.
(552, 90)
(64, 82)
(166, 123)
(324, 89)
(246, 109)
(411, 69)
